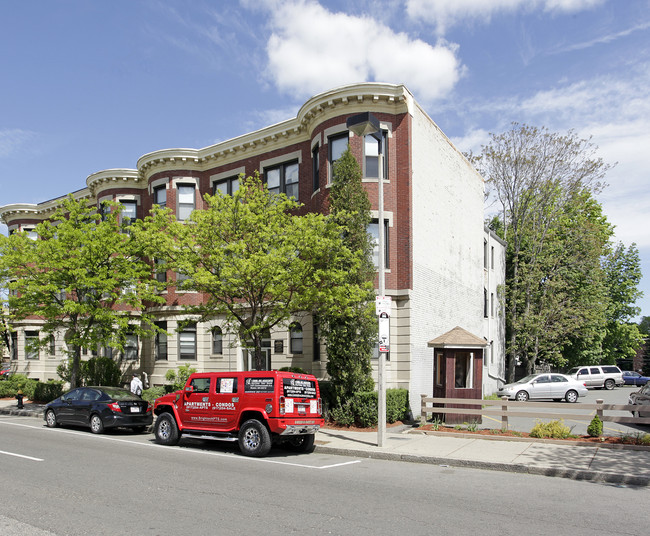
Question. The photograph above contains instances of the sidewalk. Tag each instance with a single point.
(619, 464)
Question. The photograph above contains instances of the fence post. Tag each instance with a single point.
(504, 417)
(599, 411)
(423, 407)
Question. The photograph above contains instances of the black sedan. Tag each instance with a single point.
(99, 408)
(634, 378)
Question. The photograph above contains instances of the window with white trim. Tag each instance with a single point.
(160, 341)
(283, 179)
(226, 186)
(129, 212)
(160, 196)
(295, 342)
(31, 344)
(315, 168)
(373, 230)
(371, 154)
(217, 340)
(131, 347)
(336, 147)
(187, 342)
(186, 200)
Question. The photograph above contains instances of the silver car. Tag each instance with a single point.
(641, 399)
(554, 386)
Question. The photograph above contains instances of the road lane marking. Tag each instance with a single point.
(21, 456)
(177, 449)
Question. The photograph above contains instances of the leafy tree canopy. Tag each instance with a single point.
(84, 275)
(255, 261)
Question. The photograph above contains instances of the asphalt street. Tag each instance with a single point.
(71, 482)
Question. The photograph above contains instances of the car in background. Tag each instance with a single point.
(641, 398)
(634, 378)
(598, 376)
(99, 408)
(547, 385)
(5, 372)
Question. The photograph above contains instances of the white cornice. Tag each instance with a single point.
(354, 98)
(112, 178)
(40, 211)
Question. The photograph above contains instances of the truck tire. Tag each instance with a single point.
(254, 439)
(301, 443)
(166, 430)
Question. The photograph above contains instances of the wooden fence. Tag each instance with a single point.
(504, 409)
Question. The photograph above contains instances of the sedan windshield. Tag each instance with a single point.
(528, 378)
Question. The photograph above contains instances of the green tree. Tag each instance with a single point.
(534, 175)
(254, 260)
(622, 268)
(351, 333)
(644, 326)
(84, 275)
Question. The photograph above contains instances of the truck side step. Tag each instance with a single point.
(210, 436)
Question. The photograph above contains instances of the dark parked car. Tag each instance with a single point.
(634, 378)
(641, 398)
(99, 408)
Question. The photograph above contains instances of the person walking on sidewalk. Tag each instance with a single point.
(136, 385)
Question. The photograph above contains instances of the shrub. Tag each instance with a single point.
(362, 408)
(46, 392)
(179, 377)
(297, 370)
(101, 371)
(595, 428)
(553, 430)
(154, 392)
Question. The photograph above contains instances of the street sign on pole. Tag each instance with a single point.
(383, 305)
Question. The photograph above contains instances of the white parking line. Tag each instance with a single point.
(177, 449)
(21, 456)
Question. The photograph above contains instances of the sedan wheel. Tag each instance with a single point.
(50, 419)
(521, 396)
(96, 424)
(571, 396)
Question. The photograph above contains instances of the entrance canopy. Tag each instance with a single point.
(458, 338)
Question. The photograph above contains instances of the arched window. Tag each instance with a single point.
(295, 334)
(217, 340)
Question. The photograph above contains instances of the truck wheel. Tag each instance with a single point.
(609, 384)
(166, 430)
(301, 443)
(254, 439)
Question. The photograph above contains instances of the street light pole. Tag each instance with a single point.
(361, 125)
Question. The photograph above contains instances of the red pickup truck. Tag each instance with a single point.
(256, 408)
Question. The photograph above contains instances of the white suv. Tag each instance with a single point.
(606, 376)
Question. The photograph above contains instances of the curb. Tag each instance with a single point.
(573, 474)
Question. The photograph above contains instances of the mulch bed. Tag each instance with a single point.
(493, 433)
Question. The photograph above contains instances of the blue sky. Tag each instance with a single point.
(88, 86)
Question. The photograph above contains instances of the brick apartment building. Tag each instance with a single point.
(443, 267)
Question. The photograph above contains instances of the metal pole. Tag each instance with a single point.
(381, 369)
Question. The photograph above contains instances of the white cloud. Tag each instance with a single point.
(613, 112)
(13, 141)
(446, 13)
(312, 49)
